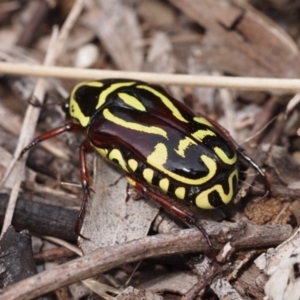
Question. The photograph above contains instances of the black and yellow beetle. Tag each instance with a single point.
(165, 150)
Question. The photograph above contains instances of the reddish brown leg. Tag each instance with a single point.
(173, 209)
(52, 133)
(258, 169)
(84, 148)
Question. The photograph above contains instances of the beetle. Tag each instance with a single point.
(165, 150)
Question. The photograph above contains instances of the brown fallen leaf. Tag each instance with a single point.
(240, 40)
(117, 27)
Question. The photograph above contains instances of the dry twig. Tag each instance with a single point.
(240, 83)
(107, 258)
(32, 113)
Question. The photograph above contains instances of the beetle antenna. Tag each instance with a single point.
(34, 101)
(259, 131)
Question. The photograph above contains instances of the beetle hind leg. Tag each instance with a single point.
(172, 208)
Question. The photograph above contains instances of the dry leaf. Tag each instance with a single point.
(160, 58)
(117, 27)
(240, 40)
(134, 294)
(111, 219)
(179, 282)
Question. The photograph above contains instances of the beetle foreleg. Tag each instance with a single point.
(250, 161)
(52, 133)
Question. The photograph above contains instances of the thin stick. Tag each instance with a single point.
(32, 113)
(103, 259)
(27, 131)
(96, 286)
(69, 24)
(243, 83)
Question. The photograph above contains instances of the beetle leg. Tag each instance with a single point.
(171, 208)
(84, 148)
(50, 134)
(247, 158)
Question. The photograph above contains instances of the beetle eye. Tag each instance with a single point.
(66, 107)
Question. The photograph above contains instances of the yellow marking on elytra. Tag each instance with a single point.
(180, 192)
(183, 145)
(223, 156)
(160, 155)
(201, 134)
(111, 89)
(202, 200)
(134, 126)
(115, 154)
(133, 164)
(148, 175)
(94, 83)
(164, 184)
(203, 121)
(102, 151)
(166, 101)
(132, 101)
(131, 181)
